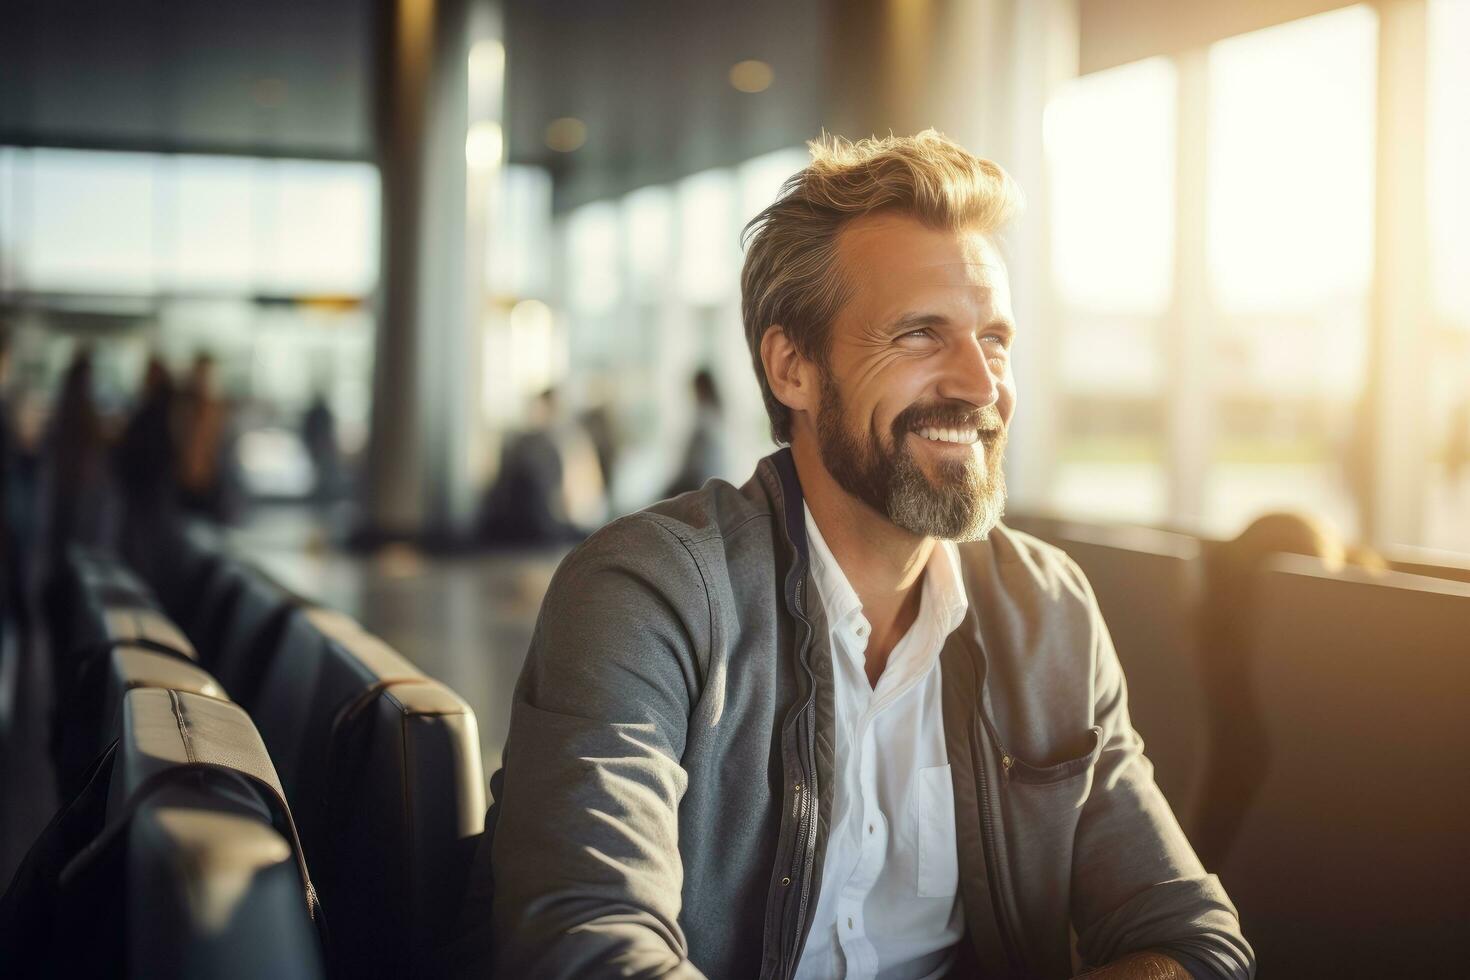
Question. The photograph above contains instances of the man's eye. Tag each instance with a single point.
(920, 334)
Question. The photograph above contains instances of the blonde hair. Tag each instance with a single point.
(791, 276)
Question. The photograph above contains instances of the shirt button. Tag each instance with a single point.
(870, 828)
(849, 922)
(862, 630)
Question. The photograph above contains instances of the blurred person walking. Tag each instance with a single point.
(549, 487)
(145, 455)
(319, 435)
(7, 444)
(203, 444)
(10, 564)
(602, 430)
(704, 456)
(76, 490)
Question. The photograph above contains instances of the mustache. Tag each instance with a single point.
(949, 415)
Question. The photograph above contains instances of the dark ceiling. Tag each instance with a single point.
(294, 78)
(650, 78)
(263, 77)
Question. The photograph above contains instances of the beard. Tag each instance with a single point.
(963, 502)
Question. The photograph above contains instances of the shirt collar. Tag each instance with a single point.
(839, 599)
(947, 587)
(944, 589)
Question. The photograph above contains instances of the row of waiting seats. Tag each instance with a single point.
(1348, 857)
(259, 787)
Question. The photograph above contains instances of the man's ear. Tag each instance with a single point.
(793, 378)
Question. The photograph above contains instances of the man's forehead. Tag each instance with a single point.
(895, 249)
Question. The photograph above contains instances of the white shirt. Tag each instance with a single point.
(889, 905)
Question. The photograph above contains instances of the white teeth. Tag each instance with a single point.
(961, 436)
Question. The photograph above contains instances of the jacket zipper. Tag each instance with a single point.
(806, 824)
(987, 825)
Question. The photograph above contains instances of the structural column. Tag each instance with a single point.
(1396, 396)
(417, 475)
(1190, 401)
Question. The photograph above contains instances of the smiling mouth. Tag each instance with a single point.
(950, 436)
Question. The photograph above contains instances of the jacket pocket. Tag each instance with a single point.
(939, 868)
(1023, 772)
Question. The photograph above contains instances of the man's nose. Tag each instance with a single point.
(968, 375)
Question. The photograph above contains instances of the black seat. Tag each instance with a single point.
(107, 637)
(179, 561)
(382, 765)
(247, 632)
(178, 859)
(130, 666)
(214, 887)
(108, 578)
(83, 588)
(1351, 860)
(207, 619)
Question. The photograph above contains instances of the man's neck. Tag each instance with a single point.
(883, 563)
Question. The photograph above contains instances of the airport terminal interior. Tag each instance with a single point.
(328, 329)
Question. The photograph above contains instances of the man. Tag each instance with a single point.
(840, 721)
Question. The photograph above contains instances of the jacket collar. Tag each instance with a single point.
(789, 501)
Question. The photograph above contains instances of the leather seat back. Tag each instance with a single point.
(180, 563)
(1351, 861)
(83, 588)
(97, 607)
(212, 885)
(130, 666)
(249, 633)
(208, 619)
(382, 765)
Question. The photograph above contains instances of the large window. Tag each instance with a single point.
(1289, 233)
(149, 224)
(1213, 259)
(1447, 487)
(1110, 157)
(652, 295)
(268, 265)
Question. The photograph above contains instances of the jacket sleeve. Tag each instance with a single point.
(585, 856)
(1136, 882)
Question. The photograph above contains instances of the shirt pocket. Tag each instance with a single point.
(939, 870)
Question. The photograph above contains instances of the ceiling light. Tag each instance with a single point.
(482, 145)
(566, 134)
(751, 76)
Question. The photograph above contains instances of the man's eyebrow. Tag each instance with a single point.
(916, 321)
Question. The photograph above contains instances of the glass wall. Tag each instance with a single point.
(1214, 301)
(1447, 484)
(1110, 142)
(651, 295)
(268, 265)
(1214, 252)
(1289, 253)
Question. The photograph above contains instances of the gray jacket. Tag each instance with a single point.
(665, 801)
